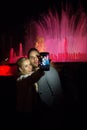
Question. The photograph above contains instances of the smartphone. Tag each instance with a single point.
(44, 61)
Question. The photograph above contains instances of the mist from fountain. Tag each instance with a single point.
(65, 39)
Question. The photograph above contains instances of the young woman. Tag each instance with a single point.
(27, 96)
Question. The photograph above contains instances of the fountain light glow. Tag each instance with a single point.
(5, 70)
(65, 39)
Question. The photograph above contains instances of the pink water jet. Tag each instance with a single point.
(13, 57)
(65, 39)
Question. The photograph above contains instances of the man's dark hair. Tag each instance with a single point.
(32, 49)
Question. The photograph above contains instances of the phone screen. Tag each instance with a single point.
(45, 61)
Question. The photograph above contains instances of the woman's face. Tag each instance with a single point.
(26, 67)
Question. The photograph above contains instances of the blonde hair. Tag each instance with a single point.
(19, 63)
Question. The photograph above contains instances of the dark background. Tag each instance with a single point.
(14, 14)
(71, 113)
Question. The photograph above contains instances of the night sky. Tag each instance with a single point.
(14, 15)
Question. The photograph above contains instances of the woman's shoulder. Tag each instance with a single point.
(23, 77)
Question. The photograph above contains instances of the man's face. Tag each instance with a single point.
(34, 59)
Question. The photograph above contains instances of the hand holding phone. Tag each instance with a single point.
(44, 61)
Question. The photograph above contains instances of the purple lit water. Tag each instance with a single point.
(13, 55)
(65, 39)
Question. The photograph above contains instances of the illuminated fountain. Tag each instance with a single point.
(65, 39)
(5, 68)
(13, 55)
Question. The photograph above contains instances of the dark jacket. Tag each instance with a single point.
(26, 97)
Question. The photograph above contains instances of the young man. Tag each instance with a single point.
(49, 85)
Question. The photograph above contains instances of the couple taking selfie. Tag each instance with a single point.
(38, 85)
